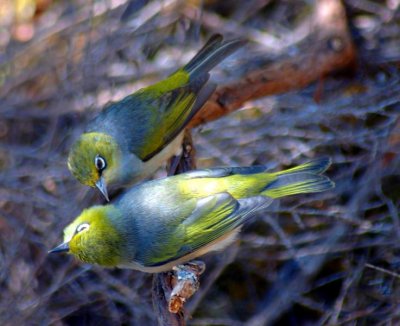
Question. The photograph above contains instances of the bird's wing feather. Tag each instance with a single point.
(173, 110)
(212, 218)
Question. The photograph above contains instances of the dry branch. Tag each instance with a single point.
(329, 49)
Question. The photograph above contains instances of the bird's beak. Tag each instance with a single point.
(101, 185)
(61, 248)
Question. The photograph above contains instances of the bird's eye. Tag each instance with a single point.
(82, 227)
(100, 163)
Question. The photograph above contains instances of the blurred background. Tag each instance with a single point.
(329, 258)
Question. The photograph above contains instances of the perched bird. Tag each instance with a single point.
(130, 139)
(161, 223)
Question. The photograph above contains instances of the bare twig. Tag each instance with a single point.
(383, 270)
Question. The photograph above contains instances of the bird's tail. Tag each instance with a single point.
(212, 53)
(305, 178)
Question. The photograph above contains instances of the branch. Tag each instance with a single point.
(329, 49)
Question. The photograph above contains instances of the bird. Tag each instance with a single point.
(130, 139)
(162, 223)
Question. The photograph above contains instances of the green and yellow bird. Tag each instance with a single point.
(130, 139)
(162, 223)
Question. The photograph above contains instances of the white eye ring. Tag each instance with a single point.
(100, 163)
(82, 227)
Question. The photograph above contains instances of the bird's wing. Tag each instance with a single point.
(183, 93)
(212, 218)
(168, 114)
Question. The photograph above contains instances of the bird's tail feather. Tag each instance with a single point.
(212, 53)
(305, 178)
(316, 166)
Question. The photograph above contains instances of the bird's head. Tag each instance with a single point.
(93, 237)
(95, 160)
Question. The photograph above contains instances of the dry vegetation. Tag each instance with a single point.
(331, 258)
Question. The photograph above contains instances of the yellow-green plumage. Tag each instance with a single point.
(109, 255)
(146, 128)
(160, 223)
(177, 79)
(92, 144)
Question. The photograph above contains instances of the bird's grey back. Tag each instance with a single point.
(151, 210)
(118, 120)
